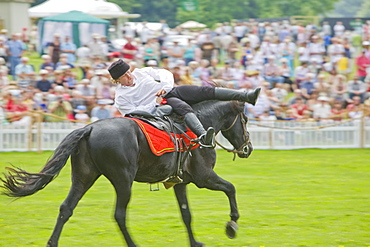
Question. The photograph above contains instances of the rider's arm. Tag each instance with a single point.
(164, 76)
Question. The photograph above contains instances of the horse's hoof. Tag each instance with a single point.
(231, 229)
(198, 244)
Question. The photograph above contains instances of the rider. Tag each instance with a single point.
(139, 89)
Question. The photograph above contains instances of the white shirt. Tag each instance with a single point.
(142, 95)
(316, 48)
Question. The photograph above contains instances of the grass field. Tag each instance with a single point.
(286, 198)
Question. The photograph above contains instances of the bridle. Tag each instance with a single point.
(243, 149)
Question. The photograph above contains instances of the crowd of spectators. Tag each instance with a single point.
(306, 72)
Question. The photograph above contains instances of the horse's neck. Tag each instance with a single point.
(214, 113)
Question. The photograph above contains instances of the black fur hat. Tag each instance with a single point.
(118, 68)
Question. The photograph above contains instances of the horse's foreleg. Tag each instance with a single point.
(123, 190)
(214, 182)
(180, 191)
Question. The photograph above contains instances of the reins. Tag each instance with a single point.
(236, 151)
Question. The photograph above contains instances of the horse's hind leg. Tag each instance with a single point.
(83, 177)
(214, 182)
(180, 191)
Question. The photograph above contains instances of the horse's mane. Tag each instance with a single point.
(208, 109)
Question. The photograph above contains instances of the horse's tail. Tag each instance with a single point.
(19, 183)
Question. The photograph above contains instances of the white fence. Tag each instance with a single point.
(277, 135)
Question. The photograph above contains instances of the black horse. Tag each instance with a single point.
(117, 149)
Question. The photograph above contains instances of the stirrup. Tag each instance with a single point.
(207, 140)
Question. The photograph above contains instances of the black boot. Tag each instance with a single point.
(205, 138)
(231, 94)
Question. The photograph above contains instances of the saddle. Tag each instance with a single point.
(165, 134)
(160, 119)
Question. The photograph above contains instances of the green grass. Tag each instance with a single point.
(297, 198)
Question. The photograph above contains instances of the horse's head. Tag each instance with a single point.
(229, 118)
(235, 130)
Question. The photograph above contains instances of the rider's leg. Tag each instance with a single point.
(192, 94)
(230, 94)
(206, 137)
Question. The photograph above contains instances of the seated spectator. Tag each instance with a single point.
(81, 115)
(15, 111)
(43, 85)
(338, 112)
(4, 80)
(61, 108)
(357, 88)
(88, 91)
(3, 66)
(47, 62)
(300, 74)
(321, 86)
(297, 94)
(106, 92)
(77, 99)
(279, 92)
(63, 63)
(286, 73)
(308, 86)
(272, 72)
(186, 78)
(102, 111)
(98, 79)
(322, 110)
(355, 109)
(59, 79)
(23, 72)
(70, 79)
(340, 89)
(262, 105)
(298, 108)
(98, 63)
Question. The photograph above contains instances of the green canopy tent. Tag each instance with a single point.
(75, 24)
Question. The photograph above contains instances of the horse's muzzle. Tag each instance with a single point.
(246, 151)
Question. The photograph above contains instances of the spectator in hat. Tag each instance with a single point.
(152, 63)
(4, 49)
(99, 79)
(46, 62)
(24, 72)
(101, 111)
(43, 85)
(322, 110)
(81, 115)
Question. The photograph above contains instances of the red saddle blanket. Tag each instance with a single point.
(160, 142)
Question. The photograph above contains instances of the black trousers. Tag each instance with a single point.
(181, 97)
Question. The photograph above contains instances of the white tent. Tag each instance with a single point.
(97, 8)
(192, 24)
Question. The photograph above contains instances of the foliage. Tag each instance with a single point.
(345, 8)
(306, 197)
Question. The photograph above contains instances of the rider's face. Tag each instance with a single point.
(126, 79)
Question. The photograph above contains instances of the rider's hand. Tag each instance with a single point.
(160, 92)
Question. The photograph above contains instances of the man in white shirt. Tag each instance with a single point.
(316, 49)
(139, 89)
(339, 29)
(335, 50)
